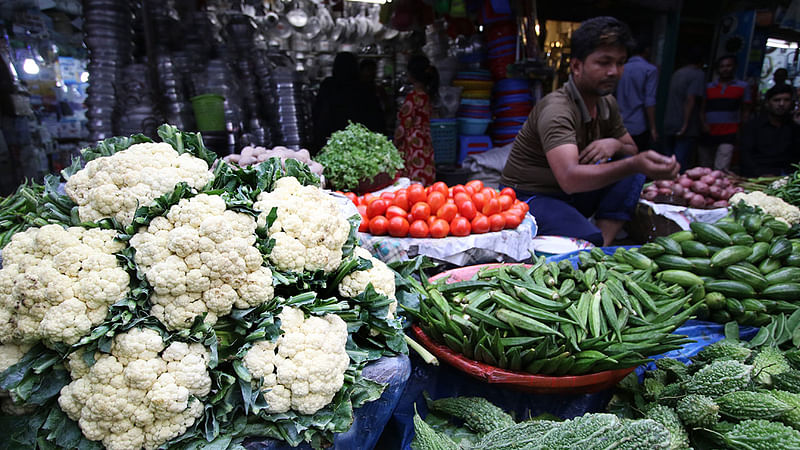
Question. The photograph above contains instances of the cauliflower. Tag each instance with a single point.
(140, 395)
(773, 206)
(200, 258)
(56, 284)
(380, 276)
(11, 354)
(309, 230)
(305, 368)
(115, 186)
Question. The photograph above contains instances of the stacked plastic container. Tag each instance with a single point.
(512, 102)
(501, 43)
(474, 114)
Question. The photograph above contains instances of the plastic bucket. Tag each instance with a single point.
(209, 111)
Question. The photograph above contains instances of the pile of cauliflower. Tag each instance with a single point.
(379, 275)
(773, 206)
(200, 258)
(114, 186)
(56, 283)
(141, 395)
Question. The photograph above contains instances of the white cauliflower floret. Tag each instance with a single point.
(141, 395)
(10, 354)
(380, 275)
(114, 186)
(57, 284)
(309, 229)
(305, 368)
(773, 206)
(201, 259)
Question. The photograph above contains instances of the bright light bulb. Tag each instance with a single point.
(536, 29)
(84, 77)
(30, 67)
(480, 28)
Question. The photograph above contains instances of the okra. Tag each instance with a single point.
(524, 322)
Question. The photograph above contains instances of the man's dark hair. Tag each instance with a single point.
(599, 32)
(782, 70)
(723, 58)
(778, 89)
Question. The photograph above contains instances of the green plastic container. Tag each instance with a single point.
(209, 112)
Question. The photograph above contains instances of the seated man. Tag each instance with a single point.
(573, 157)
(770, 143)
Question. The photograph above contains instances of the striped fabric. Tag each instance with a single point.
(723, 105)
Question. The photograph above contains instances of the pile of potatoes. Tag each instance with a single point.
(253, 155)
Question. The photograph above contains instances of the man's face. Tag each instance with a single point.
(726, 68)
(600, 71)
(779, 104)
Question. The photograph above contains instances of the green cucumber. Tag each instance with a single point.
(765, 234)
(715, 300)
(742, 239)
(694, 248)
(793, 260)
(730, 288)
(780, 248)
(783, 275)
(673, 262)
(752, 222)
(702, 266)
(670, 246)
(680, 236)
(769, 265)
(710, 234)
(651, 250)
(680, 277)
(783, 291)
(760, 250)
(734, 306)
(636, 259)
(730, 227)
(752, 304)
(778, 227)
(730, 255)
(743, 274)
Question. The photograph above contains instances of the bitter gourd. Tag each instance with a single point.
(518, 436)
(698, 410)
(478, 414)
(675, 369)
(787, 381)
(719, 378)
(751, 405)
(590, 430)
(426, 438)
(641, 434)
(792, 416)
(679, 438)
(768, 362)
(722, 350)
(762, 435)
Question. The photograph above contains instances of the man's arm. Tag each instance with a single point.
(688, 106)
(602, 150)
(651, 122)
(572, 176)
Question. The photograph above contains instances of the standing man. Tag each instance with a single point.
(771, 141)
(725, 107)
(682, 116)
(573, 157)
(636, 96)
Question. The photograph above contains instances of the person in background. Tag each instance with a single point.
(681, 118)
(413, 133)
(726, 105)
(770, 143)
(367, 76)
(573, 158)
(636, 97)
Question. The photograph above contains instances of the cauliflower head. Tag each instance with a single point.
(201, 258)
(309, 230)
(380, 275)
(773, 206)
(142, 394)
(115, 186)
(57, 283)
(305, 367)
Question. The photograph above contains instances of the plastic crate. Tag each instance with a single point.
(472, 144)
(444, 138)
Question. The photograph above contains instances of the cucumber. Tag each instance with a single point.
(778, 227)
(673, 262)
(702, 266)
(760, 250)
(636, 259)
(730, 255)
(715, 300)
(752, 222)
(783, 275)
(730, 227)
(742, 239)
(730, 288)
(670, 246)
(779, 249)
(694, 248)
(680, 277)
(710, 234)
(747, 265)
(765, 234)
(783, 291)
(734, 306)
(713, 248)
(752, 304)
(769, 265)
(793, 260)
(680, 236)
(720, 316)
(651, 250)
(745, 275)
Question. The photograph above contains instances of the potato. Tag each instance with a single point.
(697, 202)
(650, 195)
(708, 179)
(685, 181)
(677, 189)
(700, 187)
(720, 204)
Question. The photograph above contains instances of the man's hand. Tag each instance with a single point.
(657, 166)
(600, 151)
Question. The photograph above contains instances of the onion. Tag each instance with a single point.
(685, 181)
(700, 187)
(650, 195)
(708, 179)
(664, 191)
(688, 195)
(677, 189)
(706, 170)
(717, 174)
(695, 173)
(715, 192)
(697, 201)
(664, 183)
(720, 204)
(725, 182)
(738, 189)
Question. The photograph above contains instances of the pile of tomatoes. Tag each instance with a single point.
(439, 211)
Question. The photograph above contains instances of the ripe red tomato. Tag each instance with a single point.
(479, 199)
(367, 198)
(362, 209)
(398, 226)
(395, 211)
(476, 185)
(492, 206)
(352, 196)
(416, 194)
(497, 222)
(524, 206)
(419, 229)
(440, 228)
(387, 195)
(430, 220)
(512, 219)
(447, 212)
(436, 200)
(469, 190)
(401, 199)
(376, 207)
(461, 197)
(467, 209)
(421, 211)
(509, 192)
(489, 192)
(480, 224)
(378, 225)
(440, 186)
(505, 202)
(459, 188)
(460, 227)
(364, 225)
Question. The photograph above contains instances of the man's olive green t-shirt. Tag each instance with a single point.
(559, 118)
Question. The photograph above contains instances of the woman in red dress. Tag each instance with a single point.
(413, 134)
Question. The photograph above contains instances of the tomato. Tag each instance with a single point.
(401, 200)
(505, 202)
(461, 197)
(436, 200)
(459, 188)
(447, 212)
(398, 226)
(416, 194)
(491, 206)
(489, 192)
(401, 191)
(419, 229)
(469, 190)
(512, 219)
(387, 195)
(497, 222)
(476, 185)
(353, 197)
(421, 211)
(467, 209)
(524, 206)
(367, 198)
(460, 227)
(362, 209)
(509, 192)
(378, 225)
(364, 225)
(440, 186)
(430, 220)
(440, 228)
(480, 224)
(376, 207)
(479, 200)
(395, 211)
